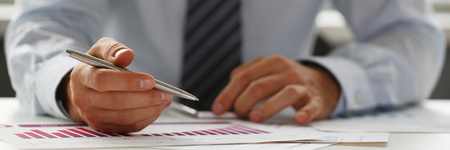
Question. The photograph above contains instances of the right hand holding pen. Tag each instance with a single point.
(114, 101)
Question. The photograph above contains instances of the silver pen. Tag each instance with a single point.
(97, 62)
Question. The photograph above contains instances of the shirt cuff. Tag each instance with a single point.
(356, 92)
(47, 81)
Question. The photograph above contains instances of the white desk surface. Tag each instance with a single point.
(11, 113)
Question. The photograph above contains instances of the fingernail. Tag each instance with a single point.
(256, 115)
(119, 52)
(304, 115)
(218, 108)
(145, 84)
(165, 96)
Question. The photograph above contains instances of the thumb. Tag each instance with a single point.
(112, 51)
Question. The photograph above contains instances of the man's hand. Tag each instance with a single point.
(114, 101)
(312, 91)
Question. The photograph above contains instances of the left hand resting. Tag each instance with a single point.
(311, 90)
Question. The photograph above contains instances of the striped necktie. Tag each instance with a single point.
(211, 49)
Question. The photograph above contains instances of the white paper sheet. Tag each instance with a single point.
(416, 119)
(50, 136)
(332, 137)
(277, 146)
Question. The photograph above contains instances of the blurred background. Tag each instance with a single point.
(332, 32)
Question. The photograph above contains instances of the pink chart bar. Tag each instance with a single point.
(210, 133)
(70, 133)
(176, 133)
(23, 136)
(218, 132)
(82, 133)
(227, 131)
(44, 134)
(60, 135)
(189, 133)
(167, 134)
(232, 129)
(92, 132)
(33, 135)
(199, 133)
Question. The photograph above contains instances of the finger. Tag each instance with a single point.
(239, 82)
(263, 88)
(128, 100)
(123, 117)
(257, 91)
(310, 111)
(110, 50)
(114, 128)
(86, 98)
(286, 97)
(104, 80)
(243, 67)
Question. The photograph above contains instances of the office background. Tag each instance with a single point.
(330, 26)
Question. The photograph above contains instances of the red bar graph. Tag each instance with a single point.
(33, 135)
(218, 132)
(70, 133)
(60, 135)
(237, 131)
(199, 133)
(44, 134)
(167, 134)
(92, 132)
(227, 131)
(83, 132)
(23, 136)
(189, 133)
(177, 133)
(204, 131)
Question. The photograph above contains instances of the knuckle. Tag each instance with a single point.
(242, 77)
(277, 59)
(256, 89)
(320, 101)
(234, 72)
(280, 60)
(293, 74)
(98, 80)
(293, 91)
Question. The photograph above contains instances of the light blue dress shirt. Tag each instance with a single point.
(396, 58)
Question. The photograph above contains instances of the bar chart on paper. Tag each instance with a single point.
(44, 136)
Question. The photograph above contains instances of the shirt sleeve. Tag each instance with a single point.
(36, 40)
(396, 58)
